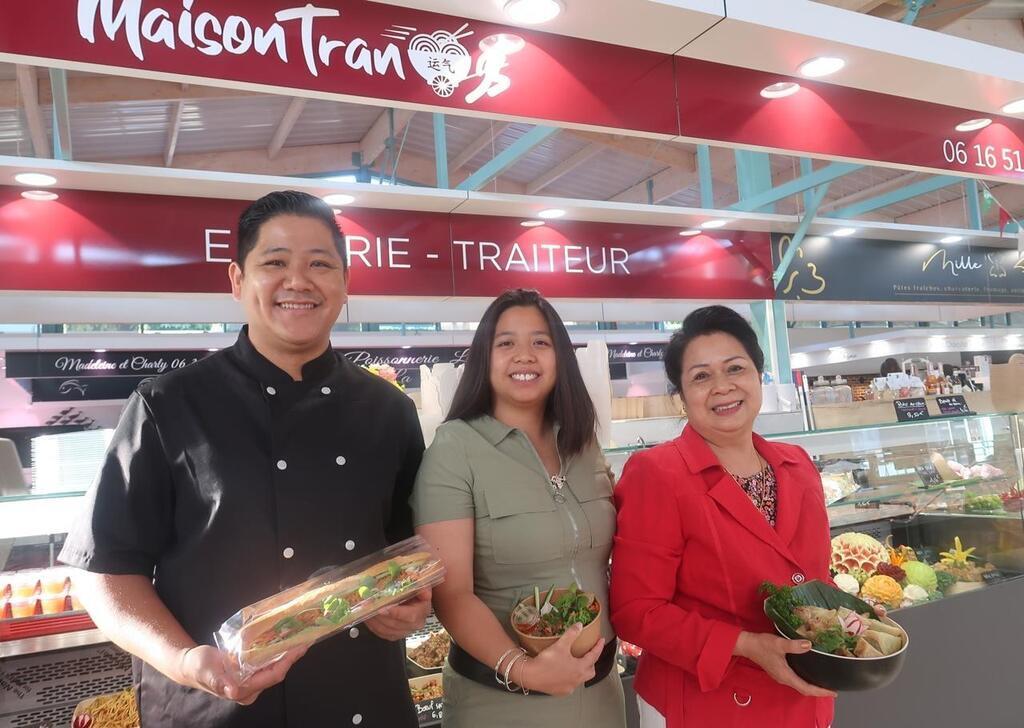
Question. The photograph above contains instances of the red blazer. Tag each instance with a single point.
(690, 553)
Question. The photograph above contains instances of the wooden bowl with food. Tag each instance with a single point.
(541, 619)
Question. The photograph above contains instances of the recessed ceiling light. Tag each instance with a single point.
(407, 346)
(213, 348)
(339, 199)
(633, 343)
(1014, 107)
(714, 224)
(780, 90)
(844, 232)
(531, 12)
(99, 351)
(951, 239)
(504, 43)
(551, 213)
(532, 223)
(973, 124)
(39, 195)
(821, 66)
(35, 179)
(688, 233)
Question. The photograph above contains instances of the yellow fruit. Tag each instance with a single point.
(883, 589)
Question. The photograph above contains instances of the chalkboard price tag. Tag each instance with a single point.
(909, 410)
(953, 405)
(428, 712)
(928, 474)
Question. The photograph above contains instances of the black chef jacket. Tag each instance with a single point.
(227, 481)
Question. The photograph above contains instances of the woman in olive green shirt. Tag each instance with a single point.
(514, 493)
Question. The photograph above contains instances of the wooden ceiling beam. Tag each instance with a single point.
(285, 126)
(476, 146)
(28, 91)
(375, 140)
(290, 161)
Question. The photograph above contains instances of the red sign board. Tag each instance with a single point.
(724, 103)
(357, 49)
(606, 260)
(100, 241)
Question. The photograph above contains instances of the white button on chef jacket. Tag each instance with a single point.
(288, 552)
(357, 719)
(350, 545)
(340, 460)
(325, 390)
(271, 391)
(281, 465)
(354, 632)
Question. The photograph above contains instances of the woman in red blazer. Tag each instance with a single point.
(703, 521)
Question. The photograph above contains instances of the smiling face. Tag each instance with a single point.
(292, 288)
(720, 387)
(523, 360)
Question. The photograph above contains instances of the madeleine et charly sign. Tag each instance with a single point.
(59, 376)
(846, 269)
(98, 241)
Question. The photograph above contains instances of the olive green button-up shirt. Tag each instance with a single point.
(528, 531)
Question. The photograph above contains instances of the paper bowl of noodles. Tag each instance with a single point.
(852, 648)
(117, 710)
(542, 618)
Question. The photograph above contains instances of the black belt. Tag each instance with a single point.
(469, 667)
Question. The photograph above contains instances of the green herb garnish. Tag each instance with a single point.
(394, 570)
(335, 609)
(287, 623)
(832, 639)
(782, 602)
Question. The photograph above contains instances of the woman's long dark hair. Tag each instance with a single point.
(568, 404)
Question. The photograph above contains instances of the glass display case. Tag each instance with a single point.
(946, 493)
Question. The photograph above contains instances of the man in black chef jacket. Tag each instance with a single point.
(242, 474)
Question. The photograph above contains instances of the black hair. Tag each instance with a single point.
(568, 404)
(890, 366)
(704, 321)
(285, 202)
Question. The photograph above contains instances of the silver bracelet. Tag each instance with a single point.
(522, 687)
(508, 670)
(497, 665)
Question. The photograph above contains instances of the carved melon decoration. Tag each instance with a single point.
(857, 551)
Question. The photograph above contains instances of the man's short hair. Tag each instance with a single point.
(285, 202)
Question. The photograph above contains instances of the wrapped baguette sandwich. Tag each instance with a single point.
(261, 633)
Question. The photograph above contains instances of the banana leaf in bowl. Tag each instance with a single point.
(853, 649)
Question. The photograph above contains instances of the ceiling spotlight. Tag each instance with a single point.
(551, 213)
(821, 66)
(780, 90)
(688, 233)
(973, 124)
(951, 239)
(504, 43)
(39, 195)
(532, 12)
(339, 199)
(532, 223)
(844, 232)
(714, 224)
(1014, 107)
(35, 179)
(99, 351)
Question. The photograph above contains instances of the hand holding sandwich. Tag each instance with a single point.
(400, 620)
(208, 669)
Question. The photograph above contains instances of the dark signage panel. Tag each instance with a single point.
(848, 269)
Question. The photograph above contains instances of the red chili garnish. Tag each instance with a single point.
(82, 721)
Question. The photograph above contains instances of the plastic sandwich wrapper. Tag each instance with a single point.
(337, 599)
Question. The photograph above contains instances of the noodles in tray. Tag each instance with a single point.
(118, 710)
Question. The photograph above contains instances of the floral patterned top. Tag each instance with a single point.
(762, 489)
